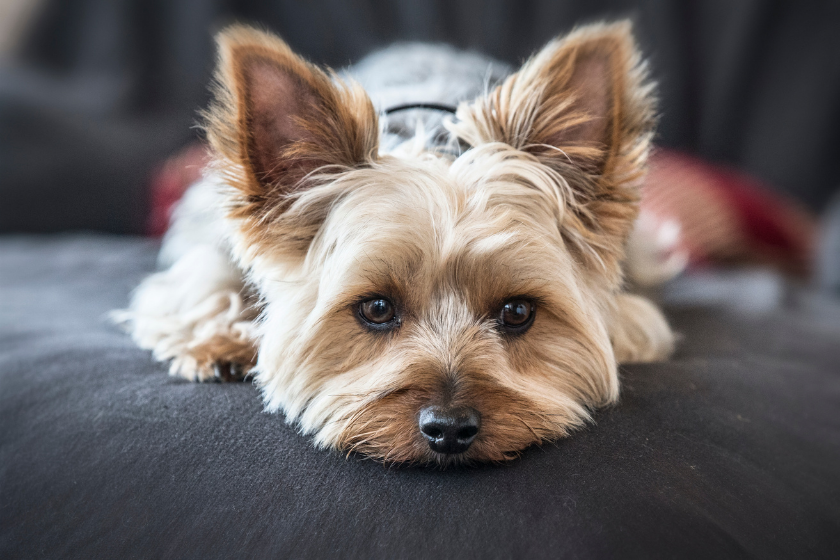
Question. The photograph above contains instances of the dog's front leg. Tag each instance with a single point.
(638, 331)
(197, 315)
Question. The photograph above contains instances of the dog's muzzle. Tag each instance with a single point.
(449, 430)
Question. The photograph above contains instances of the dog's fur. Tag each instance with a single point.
(303, 215)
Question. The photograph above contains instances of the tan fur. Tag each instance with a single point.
(334, 129)
(583, 107)
(197, 313)
(540, 207)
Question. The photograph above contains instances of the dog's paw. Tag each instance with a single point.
(202, 368)
(639, 331)
(229, 371)
(197, 315)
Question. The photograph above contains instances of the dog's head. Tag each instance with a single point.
(428, 308)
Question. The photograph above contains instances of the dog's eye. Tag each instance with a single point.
(377, 311)
(517, 315)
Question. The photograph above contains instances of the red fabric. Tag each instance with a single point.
(170, 182)
(726, 216)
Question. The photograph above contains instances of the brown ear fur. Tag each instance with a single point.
(582, 106)
(277, 119)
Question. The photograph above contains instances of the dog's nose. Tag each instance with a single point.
(449, 430)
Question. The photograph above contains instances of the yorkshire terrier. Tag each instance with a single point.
(451, 296)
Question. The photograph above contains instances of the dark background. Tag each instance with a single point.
(95, 94)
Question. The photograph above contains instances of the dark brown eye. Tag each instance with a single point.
(517, 315)
(377, 311)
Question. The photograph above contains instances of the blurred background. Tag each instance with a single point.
(99, 100)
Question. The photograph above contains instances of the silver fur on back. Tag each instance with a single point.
(423, 73)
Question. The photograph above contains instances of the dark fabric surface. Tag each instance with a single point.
(730, 450)
(100, 91)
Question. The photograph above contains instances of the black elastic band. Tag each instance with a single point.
(431, 106)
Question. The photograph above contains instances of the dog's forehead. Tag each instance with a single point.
(420, 227)
(421, 207)
(435, 198)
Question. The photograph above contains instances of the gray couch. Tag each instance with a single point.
(732, 449)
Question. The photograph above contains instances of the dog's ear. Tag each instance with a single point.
(277, 120)
(583, 107)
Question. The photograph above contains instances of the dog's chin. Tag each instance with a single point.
(454, 460)
(472, 457)
(418, 453)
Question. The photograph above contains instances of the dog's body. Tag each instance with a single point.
(446, 296)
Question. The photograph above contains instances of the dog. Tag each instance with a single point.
(451, 295)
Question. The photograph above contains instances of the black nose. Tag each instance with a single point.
(449, 430)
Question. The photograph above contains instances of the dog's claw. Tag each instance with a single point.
(228, 371)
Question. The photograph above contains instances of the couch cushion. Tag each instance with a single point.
(730, 449)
